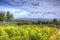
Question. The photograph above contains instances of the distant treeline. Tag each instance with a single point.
(38, 22)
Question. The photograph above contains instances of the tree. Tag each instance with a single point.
(2, 16)
(54, 21)
(9, 16)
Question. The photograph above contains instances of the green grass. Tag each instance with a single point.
(28, 32)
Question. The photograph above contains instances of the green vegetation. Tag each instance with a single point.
(28, 32)
(11, 29)
(7, 17)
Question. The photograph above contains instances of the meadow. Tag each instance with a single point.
(28, 32)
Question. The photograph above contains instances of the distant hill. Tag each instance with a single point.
(33, 19)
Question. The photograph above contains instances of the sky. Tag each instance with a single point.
(32, 8)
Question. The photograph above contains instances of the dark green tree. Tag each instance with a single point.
(54, 20)
(9, 16)
(2, 16)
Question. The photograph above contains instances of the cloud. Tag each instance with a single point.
(24, 7)
(22, 12)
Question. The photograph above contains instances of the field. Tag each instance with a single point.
(28, 32)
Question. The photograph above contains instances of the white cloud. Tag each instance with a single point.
(21, 14)
(24, 13)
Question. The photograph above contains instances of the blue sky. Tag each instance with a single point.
(32, 8)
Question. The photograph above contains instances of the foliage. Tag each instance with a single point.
(6, 16)
(27, 32)
(9, 16)
(2, 17)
